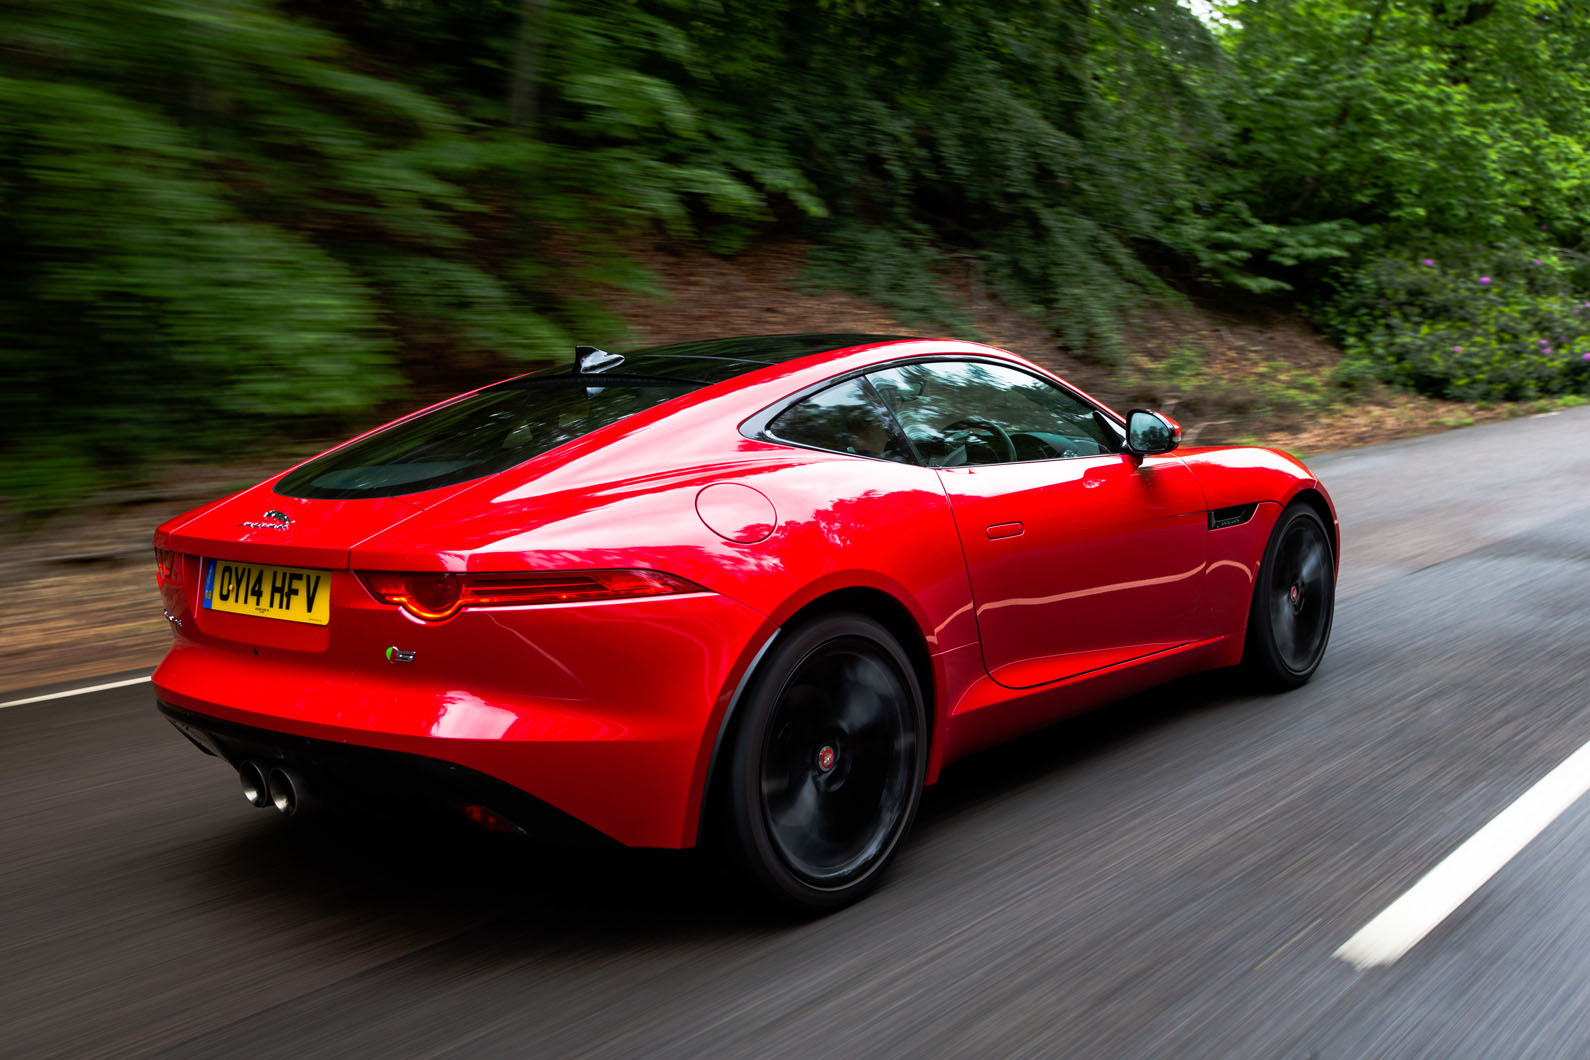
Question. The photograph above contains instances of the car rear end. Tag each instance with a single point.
(551, 689)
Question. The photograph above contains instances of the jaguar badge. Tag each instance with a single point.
(271, 520)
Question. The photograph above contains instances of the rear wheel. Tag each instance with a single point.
(1294, 601)
(825, 763)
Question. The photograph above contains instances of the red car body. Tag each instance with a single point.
(1023, 592)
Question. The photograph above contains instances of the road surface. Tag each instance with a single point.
(1169, 877)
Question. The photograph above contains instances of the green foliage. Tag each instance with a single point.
(902, 269)
(142, 307)
(1416, 124)
(231, 218)
(1051, 146)
(1234, 248)
(147, 302)
(1470, 324)
(1413, 116)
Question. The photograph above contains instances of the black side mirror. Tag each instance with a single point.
(1149, 432)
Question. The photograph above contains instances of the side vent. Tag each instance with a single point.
(1221, 518)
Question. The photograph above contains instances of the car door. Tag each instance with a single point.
(1080, 556)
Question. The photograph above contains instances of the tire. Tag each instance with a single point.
(1294, 601)
(824, 764)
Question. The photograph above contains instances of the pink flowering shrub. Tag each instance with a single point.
(1475, 325)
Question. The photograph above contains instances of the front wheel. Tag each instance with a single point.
(1294, 601)
(825, 763)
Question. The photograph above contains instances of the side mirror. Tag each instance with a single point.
(1148, 433)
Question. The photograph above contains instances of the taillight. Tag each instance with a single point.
(430, 596)
(435, 597)
(168, 569)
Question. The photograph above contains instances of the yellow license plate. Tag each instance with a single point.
(268, 592)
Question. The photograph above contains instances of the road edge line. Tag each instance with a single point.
(1439, 892)
(76, 692)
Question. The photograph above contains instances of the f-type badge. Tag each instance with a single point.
(398, 655)
(272, 520)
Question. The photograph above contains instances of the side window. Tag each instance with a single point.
(843, 419)
(968, 412)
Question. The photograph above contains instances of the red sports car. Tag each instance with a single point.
(751, 593)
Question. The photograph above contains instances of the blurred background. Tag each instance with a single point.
(233, 232)
(236, 230)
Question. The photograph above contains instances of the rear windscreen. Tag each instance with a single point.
(476, 436)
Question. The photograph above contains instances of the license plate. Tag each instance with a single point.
(268, 592)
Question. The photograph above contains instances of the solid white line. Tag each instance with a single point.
(76, 692)
(1445, 887)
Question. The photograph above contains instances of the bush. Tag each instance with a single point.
(1475, 325)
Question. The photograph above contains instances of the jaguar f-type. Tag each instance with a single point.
(749, 593)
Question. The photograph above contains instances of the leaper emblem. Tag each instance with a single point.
(274, 520)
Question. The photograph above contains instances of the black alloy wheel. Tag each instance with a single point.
(825, 767)
(1294, 601)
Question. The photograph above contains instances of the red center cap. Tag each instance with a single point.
(826, 757)
(1294, 594)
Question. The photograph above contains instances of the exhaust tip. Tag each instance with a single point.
(287, 791)
(254, 786)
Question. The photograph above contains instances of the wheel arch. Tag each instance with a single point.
(1259, 656)
(1315, 499)
(880, 606)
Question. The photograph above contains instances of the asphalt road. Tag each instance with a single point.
(1168, 877)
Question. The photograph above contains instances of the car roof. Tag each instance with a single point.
(758, 370)
(711, 361)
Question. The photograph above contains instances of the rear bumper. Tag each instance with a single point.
(390, 783)
(607, 713)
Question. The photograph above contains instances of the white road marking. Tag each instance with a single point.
(1424, 905)
(76, 692)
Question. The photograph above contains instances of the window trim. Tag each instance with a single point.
(881, 407)
(757, 427)
(299, 478)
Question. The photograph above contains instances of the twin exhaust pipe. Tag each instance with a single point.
(277, 786)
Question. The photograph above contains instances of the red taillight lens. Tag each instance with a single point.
(428, 596)
(432, 595)
(438, 596)
(168, 569)
(559, 587)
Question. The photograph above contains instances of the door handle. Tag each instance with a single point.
(999, 530)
